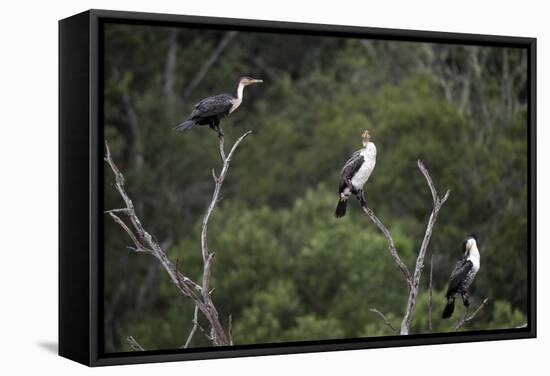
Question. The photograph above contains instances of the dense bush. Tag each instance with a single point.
(285, 268)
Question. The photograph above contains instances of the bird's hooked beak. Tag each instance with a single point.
(246, 81)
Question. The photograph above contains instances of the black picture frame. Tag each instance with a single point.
(81, 173)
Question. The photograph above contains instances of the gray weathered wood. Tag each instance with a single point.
(200, 294)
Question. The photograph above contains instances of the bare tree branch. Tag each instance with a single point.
(230, 330)
(385, 320)
(142, 239)
(138, 246)
(217, 188)
(391, 246)
(121, 210)
(193, 330)
(207, 256)
(413, 292)
(134, 344)
(466, 319)
(413, 281)
(203, 331)
(438, 202)
(144, 242)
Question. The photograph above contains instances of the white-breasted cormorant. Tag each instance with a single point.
(355, 174)
(462, 276)
(210, 110)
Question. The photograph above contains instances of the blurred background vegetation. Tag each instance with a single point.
(285, 268)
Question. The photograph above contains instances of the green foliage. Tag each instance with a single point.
(285, 268)
(505, 317)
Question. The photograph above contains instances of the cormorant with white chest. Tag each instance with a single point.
(211, 110)
(462, 276)
(355, 174)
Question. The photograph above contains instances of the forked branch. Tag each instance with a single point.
(207, 255)
(199, 294)
(413, 292)
(412, 280)
(466, 319)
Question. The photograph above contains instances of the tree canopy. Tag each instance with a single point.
(285, 268)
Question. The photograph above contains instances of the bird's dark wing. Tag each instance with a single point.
(212, 106)
(353, 164)
(460, 271)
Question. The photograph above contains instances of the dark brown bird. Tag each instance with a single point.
(211, 110)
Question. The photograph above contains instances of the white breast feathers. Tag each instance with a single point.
(236, 103)
(362, 175)
(474, 258)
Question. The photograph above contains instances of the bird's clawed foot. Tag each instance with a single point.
(466, 299)
(216, 128)
(361, 198)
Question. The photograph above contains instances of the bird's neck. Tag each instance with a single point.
(369, 149)
(474, 255)
(239, 92)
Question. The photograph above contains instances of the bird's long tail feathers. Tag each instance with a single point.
(449, 308)
(341, 208)
(185, 125)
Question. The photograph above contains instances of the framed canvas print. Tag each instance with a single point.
(238, 187)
